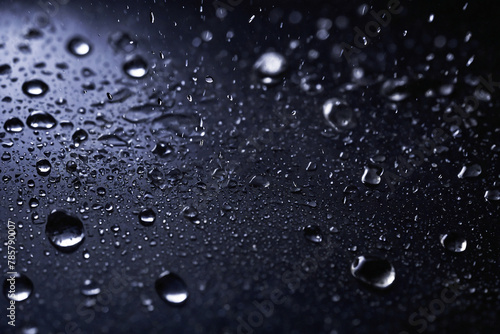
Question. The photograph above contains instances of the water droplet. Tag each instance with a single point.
(5, 69)
(147, 217)
(190, 212)
(80, 136)
(136, 67)
(21, 284)
(313, 233)
(209, 79)
(13, 125)
(270, 66)
(90, 288)
(152, 17)
(162, 149)
(454, 242)
(65, 232)
(71, 166)
(470, 171)
(372, 175)
(374, 271)
(40, 120)
(79, 46)
(171, 288)
(492, 195)
(395, 89)
(121, 41)
(35, 88)
(338, 114)
(43, 167)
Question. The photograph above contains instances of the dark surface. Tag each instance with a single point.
(261, 166)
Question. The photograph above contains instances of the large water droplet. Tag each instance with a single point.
(79, 46)
(65, 232)
(40, 120)
(313, 233)
(147, 217)
(374, 271)
(163, 149)
(470, 171)
(454, 242)
(17, 287)
(338, 114)
(13, 125)
(136, 67)
(80, 136)
(43, 167)
(171, 288)
(372, 175)
(35, 88)
(270, 66)
(492, 195)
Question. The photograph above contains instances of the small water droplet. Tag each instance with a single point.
(35, 88)
(209, 79)
(20, 284)
(13, 125)
(313, 233)
(454, 242)
(374, 271)
(147, 217)
(79, 46)
(43, 167)
(136, 67)
(171, 288)
(65, 232)
(40, 120)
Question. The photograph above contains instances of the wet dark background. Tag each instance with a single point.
(255, 190)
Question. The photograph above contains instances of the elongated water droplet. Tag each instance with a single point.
(374, 271)
(35, 88)
(162, 149)
(13, 125)
(395, 89)
(492, 195)
(65, 232)
(171, 288)
(90, 288)
(17, 287)
(470, 171)
(40, 120)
